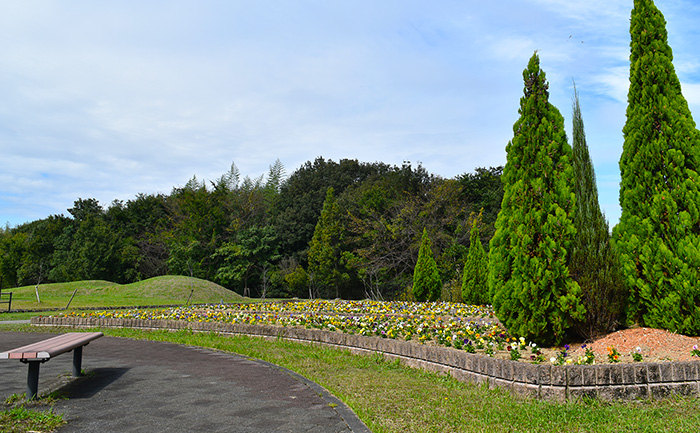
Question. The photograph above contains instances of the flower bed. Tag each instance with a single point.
(465, 327)
(442, 323)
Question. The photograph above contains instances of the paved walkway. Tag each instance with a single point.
(146, 386)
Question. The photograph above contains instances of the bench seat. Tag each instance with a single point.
(37, 353)
(46, 349)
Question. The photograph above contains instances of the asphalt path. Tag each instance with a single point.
(147, 386)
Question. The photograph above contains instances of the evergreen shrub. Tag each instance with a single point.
(659, 231)
(532, 291)
(427, 285)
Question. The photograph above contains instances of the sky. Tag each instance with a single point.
(111, 99)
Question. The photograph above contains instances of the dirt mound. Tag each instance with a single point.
(656, 345)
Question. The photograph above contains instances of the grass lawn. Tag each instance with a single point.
(164, 290)
(390, 397)
(20, 419)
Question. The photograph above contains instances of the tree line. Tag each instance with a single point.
(330, 229)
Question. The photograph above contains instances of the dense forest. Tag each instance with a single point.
(343, 229)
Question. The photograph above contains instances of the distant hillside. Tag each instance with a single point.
(165, 290)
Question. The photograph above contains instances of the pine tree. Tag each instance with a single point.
(594, 263)
(426, 278)
(659, 231)
(533, 294)
(475, 288)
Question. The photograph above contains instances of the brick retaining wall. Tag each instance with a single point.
(604, 381)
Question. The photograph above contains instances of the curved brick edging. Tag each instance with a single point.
(604, 381)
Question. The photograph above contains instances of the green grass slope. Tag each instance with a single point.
(165, 290)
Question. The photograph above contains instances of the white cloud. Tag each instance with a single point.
(691, 92)
(614, 83)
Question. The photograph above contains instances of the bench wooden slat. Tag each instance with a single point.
(51, 347)
(68, 338)
(40, 345)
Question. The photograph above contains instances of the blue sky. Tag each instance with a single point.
(107, 100)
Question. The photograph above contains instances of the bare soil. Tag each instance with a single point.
(656, 345)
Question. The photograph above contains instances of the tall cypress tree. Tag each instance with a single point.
(659, 231)
(594, 263)
(427, 285)
(533, 294)
(475, 276)
(325, 254)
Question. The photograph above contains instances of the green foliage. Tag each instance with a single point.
(386, 225)
(659, 230)
(595, 264)
(274, 181)
(200, 220)
(248, 259)
(298, 279)
(325, 250)
(533, 294)
(483, 190)
(426, 279)
(90, 248)
(475, 276)
(301, 198)
(12, 247)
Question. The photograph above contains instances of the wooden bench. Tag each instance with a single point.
(37, 353)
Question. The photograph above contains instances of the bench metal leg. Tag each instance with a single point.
(33, 379)
(77, 361)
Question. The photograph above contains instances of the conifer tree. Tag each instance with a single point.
(475, 288)
(594, 263)
(659, 231)
(427, 285)
(532, 291)
(325, 255)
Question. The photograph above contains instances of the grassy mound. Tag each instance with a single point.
(165, 290)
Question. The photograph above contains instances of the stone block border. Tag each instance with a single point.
(544, 381)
